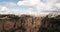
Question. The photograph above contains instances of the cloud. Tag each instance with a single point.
(8, 8)
(9, 4)
(34, 7)
(3, 8)
(40, 5)
(58, 5)
(28, 2)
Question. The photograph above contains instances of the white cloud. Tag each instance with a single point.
(39, 5)
(34, 6)
(8, 8)
(28, 2)
(11, 4)
(57, 5)
(3, 8)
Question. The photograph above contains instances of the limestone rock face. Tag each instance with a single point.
(23, 23)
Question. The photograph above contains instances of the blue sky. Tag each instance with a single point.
(11, 5)
(34, 7)
(9, 0)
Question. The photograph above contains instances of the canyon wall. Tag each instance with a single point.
(23, 23)
(29, 23)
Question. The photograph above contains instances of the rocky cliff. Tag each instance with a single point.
(23, 23)
(29, 23)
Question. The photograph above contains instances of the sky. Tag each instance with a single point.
(34, 7)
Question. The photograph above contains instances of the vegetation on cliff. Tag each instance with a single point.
(50, 24)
